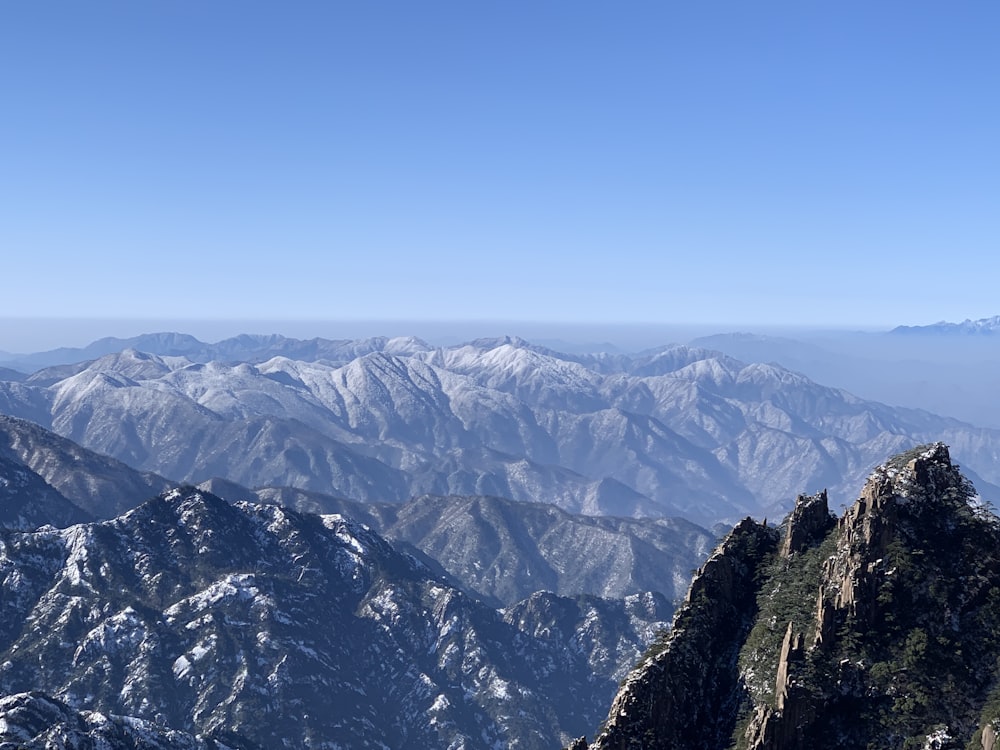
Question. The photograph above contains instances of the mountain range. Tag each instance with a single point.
(366, 609)
(946, 368)
(242, 348)
(254, 626)
(677, 431)
(982, 327)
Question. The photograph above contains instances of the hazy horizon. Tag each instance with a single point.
(31, 335)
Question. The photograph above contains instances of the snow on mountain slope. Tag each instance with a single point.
(507, 550)
(253, 622)
(504, 550)
(673, 430)
(982, 326)
(538, 379)
(35, 721)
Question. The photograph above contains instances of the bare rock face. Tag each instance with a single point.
(914, 504)
(678, 693)
(809, 522)
(879, 631)
(989, 737)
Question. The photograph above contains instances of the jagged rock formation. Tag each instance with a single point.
(809, 523)
(678, 694)
(881, 632)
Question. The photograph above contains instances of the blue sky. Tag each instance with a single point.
(721, 163)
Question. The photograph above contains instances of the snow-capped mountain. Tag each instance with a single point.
(983, 326)
(35, 721)
(258, 626)
(677, 431)
(242, 348)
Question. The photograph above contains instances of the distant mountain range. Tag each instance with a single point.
(677, 431)
(243, 348)
(382, 553)
(946, 369)
(983, 326)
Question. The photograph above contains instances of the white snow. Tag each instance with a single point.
(239, 586)
(182, 667)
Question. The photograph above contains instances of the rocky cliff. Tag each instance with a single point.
(690, 678)
(880, 630)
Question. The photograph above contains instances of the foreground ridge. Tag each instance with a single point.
(880, 630)
(191, 622)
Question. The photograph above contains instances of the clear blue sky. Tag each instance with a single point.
(671, 162)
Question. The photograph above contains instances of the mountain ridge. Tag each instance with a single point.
(505, 550)
(676, 431)
(186, 610)
(980, 327)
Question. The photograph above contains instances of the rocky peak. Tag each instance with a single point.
(877, 631)
(675, 697)
(911, 486)
(808, 523)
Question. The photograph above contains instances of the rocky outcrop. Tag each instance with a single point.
(779, 726)
(914, 504)
(808, 523)
(989, 737)
(684, 693)
(900, 649)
